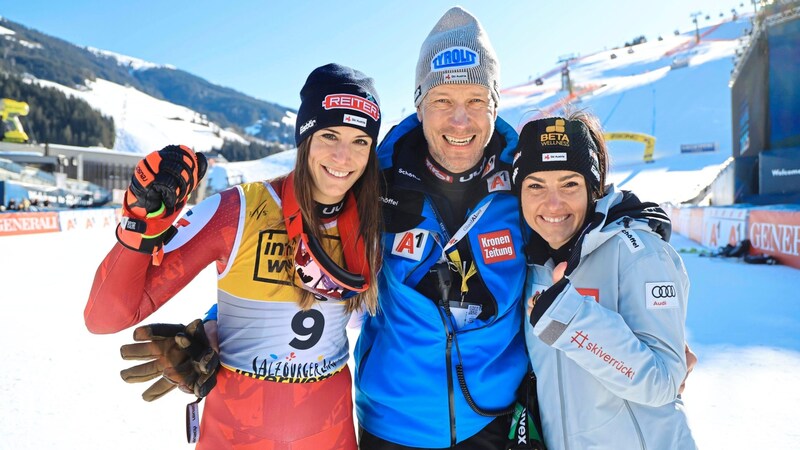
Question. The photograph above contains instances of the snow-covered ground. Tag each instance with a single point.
(61, 388)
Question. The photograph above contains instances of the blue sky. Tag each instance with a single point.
(267, 48)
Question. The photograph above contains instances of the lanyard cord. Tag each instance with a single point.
(442, 269)
(450, 254)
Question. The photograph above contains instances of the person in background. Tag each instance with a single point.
(295, 256)
(607, 297)
(439, 365)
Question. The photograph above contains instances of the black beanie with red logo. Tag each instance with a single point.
(336, 95)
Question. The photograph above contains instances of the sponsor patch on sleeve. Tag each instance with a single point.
(410, 244)
(631, 239)
(661, 295)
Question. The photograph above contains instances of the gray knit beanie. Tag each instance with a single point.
(457, 51)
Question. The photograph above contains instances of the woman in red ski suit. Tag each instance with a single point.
(295, 256)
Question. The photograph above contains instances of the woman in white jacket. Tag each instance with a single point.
(607, 297)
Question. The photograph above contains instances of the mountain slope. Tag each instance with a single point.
(674, 89)
(31, 53)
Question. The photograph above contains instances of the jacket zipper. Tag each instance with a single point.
(642, 444)
(451, 399)
(450, 391)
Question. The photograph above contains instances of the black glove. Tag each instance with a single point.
(165, 177)
(159, 189)
(180, 354)
(543, 300)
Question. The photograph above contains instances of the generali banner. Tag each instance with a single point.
(28, 223)
(776, 233)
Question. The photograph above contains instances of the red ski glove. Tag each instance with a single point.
(160, 186)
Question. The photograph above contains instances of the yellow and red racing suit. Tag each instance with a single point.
(284, 382)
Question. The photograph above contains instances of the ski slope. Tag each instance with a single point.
(675, 90)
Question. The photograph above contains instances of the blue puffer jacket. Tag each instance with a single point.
(407, 390)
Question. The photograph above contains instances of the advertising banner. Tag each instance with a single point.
(87, 219)
(699, 148)
(723, 226)
(695, 223)
(779, 171)
(681, 220)
(28, 223)
(776, 233)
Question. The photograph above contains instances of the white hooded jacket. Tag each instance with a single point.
(609, 352)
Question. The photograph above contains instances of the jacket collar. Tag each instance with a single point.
(348, 224)
(403, 152)
(623, 210)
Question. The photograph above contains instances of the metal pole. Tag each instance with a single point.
(696, 26)
(80, 166)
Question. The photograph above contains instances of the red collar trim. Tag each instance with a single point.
(348, 224)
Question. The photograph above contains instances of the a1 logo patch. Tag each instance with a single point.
(499, 182)
(410, 244)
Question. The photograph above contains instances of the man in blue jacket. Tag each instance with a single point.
(438, 366)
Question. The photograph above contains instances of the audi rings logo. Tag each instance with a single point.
(661, 295)
(663, 291)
